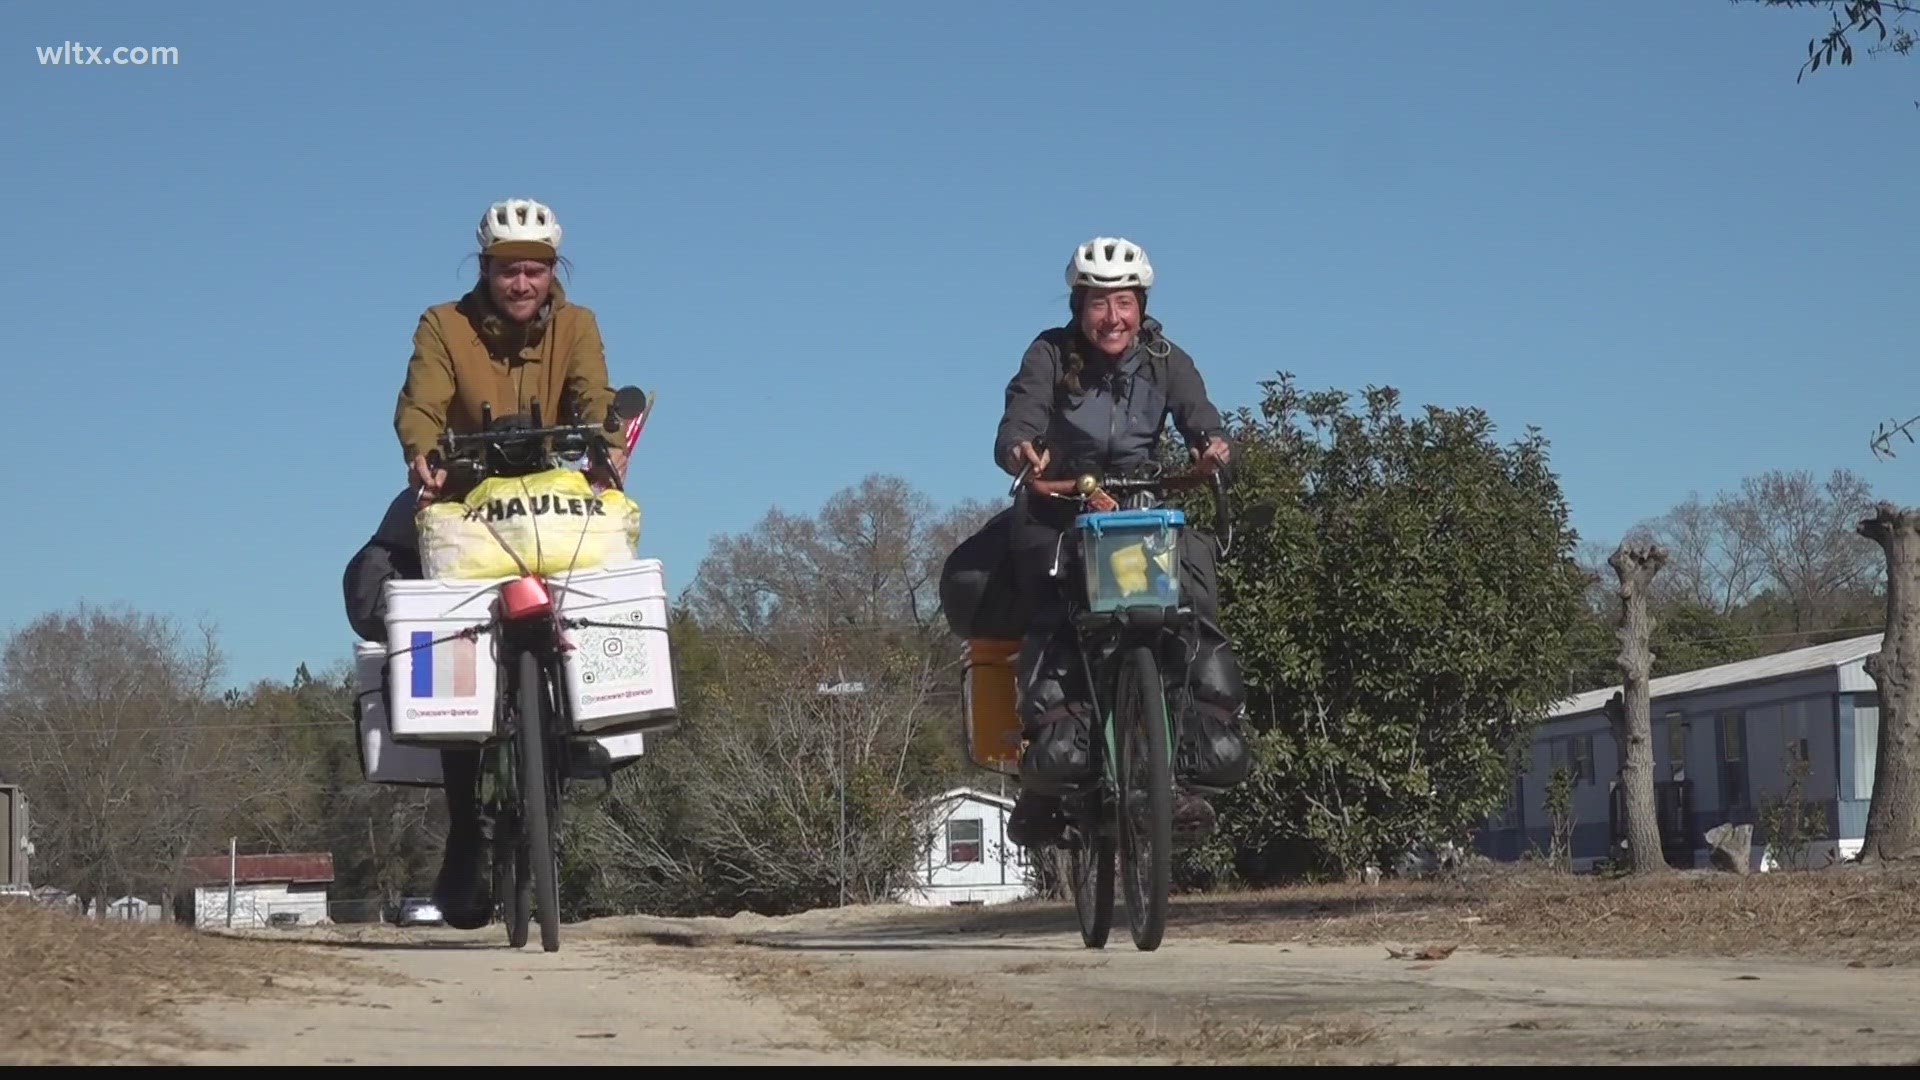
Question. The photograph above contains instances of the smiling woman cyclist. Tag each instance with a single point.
(1100, 390)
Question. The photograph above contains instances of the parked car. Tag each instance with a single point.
(418, 911)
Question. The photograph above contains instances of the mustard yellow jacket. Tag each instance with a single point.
(466, 354)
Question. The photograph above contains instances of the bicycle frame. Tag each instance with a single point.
(1103, 637)
(533, 759)
(1122, 646)
(1102, 658)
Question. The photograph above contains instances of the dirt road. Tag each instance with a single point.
(900, 985)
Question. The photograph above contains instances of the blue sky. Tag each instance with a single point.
(824, 234)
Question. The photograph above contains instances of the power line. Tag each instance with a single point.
(1594, 653)
(182, 729)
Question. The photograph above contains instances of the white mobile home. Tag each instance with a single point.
(13, 837)
(967, 859)
(1724, 740)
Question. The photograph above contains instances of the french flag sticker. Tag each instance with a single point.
(445, 669)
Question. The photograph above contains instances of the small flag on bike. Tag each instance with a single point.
(446, 669)
(635, 424)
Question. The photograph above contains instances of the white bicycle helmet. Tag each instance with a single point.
(519, 229)
(1107, 262)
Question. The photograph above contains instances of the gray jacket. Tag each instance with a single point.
(1114, 423)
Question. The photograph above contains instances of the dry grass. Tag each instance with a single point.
(962, 1019)
(87, 991)
(1869, 916)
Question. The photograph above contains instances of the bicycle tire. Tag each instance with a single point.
(512, 876)
(1092, 900)
(536, 806)
(1145, 775)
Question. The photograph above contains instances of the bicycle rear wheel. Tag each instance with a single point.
(1145, 774)
(538, 810)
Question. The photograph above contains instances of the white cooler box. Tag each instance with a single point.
(442, 690)
(619, 679)
(384, 761)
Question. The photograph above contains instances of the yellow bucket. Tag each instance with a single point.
(988, 699)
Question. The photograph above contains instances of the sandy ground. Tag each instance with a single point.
(468, 999)
(904, 985)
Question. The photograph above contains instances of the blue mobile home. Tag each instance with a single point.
(1724, 740)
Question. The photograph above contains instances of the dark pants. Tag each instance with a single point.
(1049, 670)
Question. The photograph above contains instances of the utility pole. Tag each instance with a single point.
(841, 689)
(233, 871)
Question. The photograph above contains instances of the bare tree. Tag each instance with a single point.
(1636, 566)
(743, 807)
(778, 798)
(1893, 818)
(1802, 531)
(870, 559)
(304, 791)
(1710, 562)
(385, 838)
(110, 722)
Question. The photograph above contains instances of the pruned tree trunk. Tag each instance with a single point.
(1893, 817)
(1636, 565)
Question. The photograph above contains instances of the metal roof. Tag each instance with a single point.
(971, 794)
(299, 868)
(1722, 676)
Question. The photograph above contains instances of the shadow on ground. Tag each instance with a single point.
(1016, 926)
(373, 937)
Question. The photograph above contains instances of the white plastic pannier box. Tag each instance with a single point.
(384, 761)
(444, 687)
(623, 747)
(618, 679)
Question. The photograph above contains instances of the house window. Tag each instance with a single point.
(1866, 742)
(1733, 759)
(963, 840)
(1576, 753)
(1676, 743)
(1799, 747)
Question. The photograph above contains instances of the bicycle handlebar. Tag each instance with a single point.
(515, 435)
(629, 399)
(1084, 487)
(1086, 484)
(489, 434)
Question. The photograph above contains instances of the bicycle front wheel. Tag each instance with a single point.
(1145, 774)
(513, 878)
(539, 817)
(1090, 876)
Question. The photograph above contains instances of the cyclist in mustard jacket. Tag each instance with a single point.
(512, 338)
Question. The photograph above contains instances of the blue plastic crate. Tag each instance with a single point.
(1131, 558)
